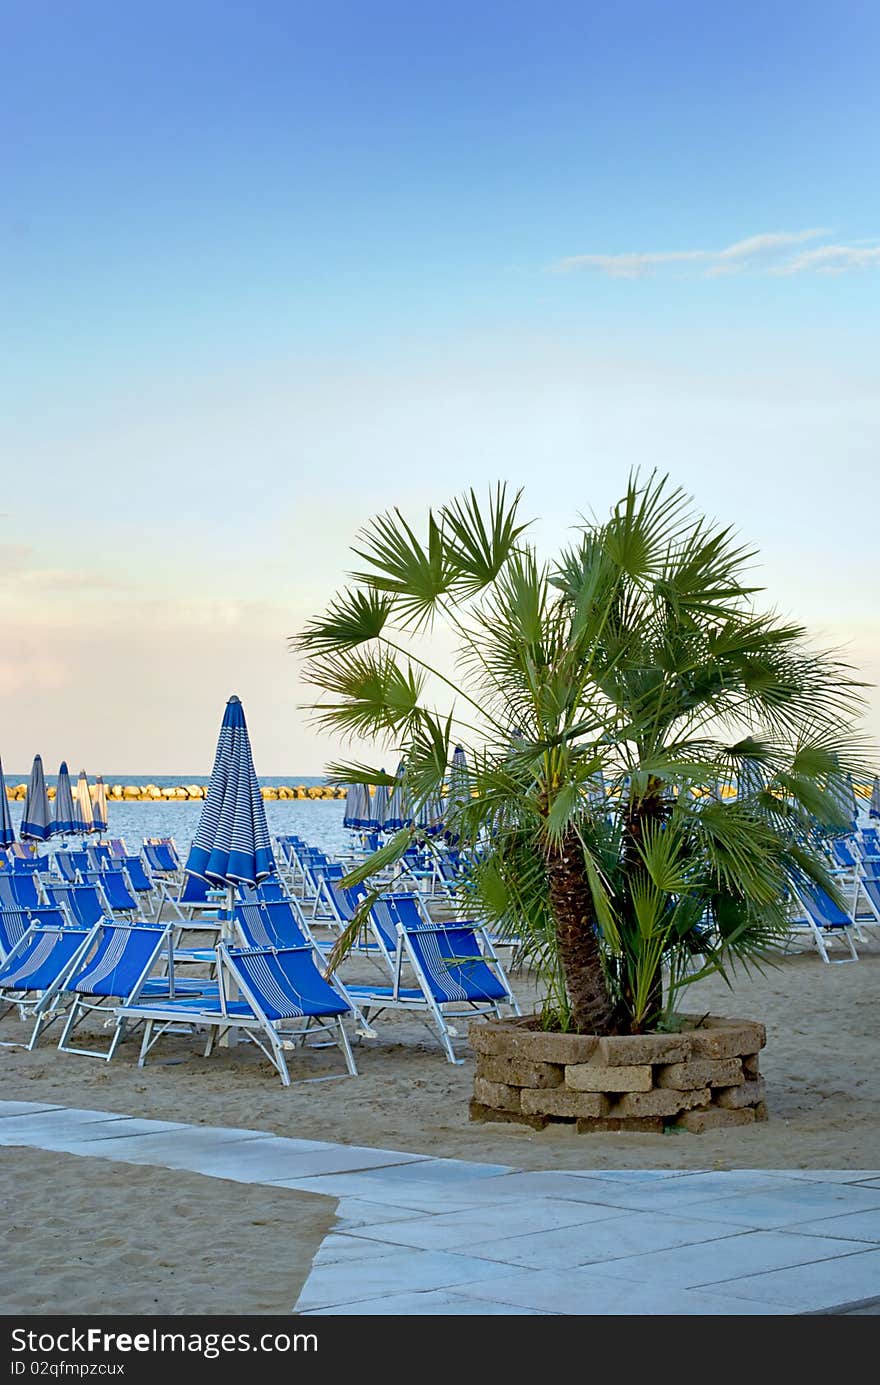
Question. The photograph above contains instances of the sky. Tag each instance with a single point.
(267, 269)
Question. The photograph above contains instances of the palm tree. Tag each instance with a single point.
(604, 699)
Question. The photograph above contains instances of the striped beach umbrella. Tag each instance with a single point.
(874, 801)
(63, 820)
(378, 807)
(231, 843)
(99, 805)
(748, 780)
(83, 819)
(355, 815)
(399, 811)
(7, 831)
(36, 821)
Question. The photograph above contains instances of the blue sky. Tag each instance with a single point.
(331, 257)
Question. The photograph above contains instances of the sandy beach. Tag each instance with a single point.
(820, 1063)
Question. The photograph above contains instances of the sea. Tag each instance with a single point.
(316, 820)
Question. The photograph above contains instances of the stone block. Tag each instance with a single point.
(715, 1037)
(562, 1102)
(478, 1112)
(519, 1073)
(497, 1094)
(519, 1039)
(647, 1125)
(663, 1103)
(628, 1050)
(761, 1112)
(600, 1077)
(712, 1118)
(750, 1065)
(700, 1072)
(735, 1098)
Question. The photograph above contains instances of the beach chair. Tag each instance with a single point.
(442, 972)
(264, 893)
(86, 904)
(138, 873)
(14, 923)
(160, 862)
(65, 867)
(20, 891)
(824, 922)
(113, 971)
(116, 889)
(32, 977)
(117, 847)
(283, 1003)
(197, 903)
(99, 856)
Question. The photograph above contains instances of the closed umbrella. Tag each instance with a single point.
(83, 820)
(36, 822)
(7, 832)
(231, 844)
(62, 822)
(355, 814)
(99, 805)
(378, 807)
(459, 792)
(874, 804)
(748, 780)
(399, 811)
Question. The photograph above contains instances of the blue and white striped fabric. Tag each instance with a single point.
(63, 821)
(99, 805)
(357, 808)
(231, 844)
(874, 805)
(83, 820)
(378, 808)
(7, 832)
(36, 820)
(399, 811)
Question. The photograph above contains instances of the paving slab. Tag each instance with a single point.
(468, 1229)
(588, 1293)
(819, 1286)
(697, 1266)
(26, 1108)
(788, 1205)
(433, 1302)
(404, 1271)
(858, 1226)
(619, 1235)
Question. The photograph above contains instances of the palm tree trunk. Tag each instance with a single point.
(578, 940)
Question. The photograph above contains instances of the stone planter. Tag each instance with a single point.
(701, 1078)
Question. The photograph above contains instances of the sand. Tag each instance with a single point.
(821, 1064)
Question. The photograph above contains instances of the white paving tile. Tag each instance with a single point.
(403, 1272)
(810, 1288)
(433, 1302)
(633, 1175)
(27, 1108)
(353, 1211)
(467, 1230)
(620, 1234)
(718, 1262)
(856, 1226)
(419, 1197)
(789, 1204)
(339, 1248)
(825, 1175)
(588, 1293)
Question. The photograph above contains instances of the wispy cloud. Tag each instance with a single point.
(771, 252)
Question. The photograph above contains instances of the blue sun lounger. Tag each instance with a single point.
(283, 1003)
(32, 977)
(84, 903)
(115, 887)
(823, 920)
(115, 968)
(15, 922)
(450, 970)
(19, 891)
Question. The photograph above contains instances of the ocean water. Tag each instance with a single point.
(318, 821)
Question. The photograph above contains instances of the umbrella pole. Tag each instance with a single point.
(230, 1038)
